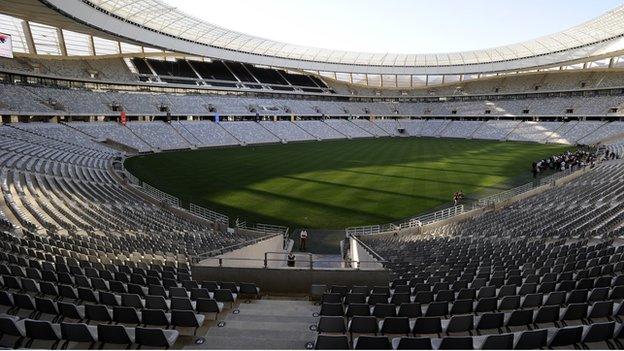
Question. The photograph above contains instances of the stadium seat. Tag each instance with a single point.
(331, 342)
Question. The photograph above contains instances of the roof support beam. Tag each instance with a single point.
(61, 41)
(91, 45)
(30, 42)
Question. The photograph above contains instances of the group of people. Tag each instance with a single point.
(458, 196)
(610, 155)
(568, 160)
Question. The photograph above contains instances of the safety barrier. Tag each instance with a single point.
(207, 214)
(160, 195)
(410, 223)
(309, 262)
(451, 212)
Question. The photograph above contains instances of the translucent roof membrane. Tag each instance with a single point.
(13, 27)
(159, 16)
(46, 40)
(77, 44)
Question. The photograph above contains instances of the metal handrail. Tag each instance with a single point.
(207, 214)
(413, 222)
(160, 195)
(265, 261)
(194, 209)
(506, 195)
(367, 248)
(460, 209)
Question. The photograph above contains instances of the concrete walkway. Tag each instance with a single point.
(263, 324)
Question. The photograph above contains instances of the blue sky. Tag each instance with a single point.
(398, 26)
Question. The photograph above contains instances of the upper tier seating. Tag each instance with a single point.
(40, 100)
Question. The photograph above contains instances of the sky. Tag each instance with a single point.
(397, 26)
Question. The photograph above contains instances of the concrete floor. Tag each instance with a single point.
(270, 323)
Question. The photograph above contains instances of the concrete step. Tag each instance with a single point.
(263, 324)
(243, 342)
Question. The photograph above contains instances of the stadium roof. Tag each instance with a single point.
(159, 16)
(125, 26)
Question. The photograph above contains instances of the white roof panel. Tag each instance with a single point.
(159, 16)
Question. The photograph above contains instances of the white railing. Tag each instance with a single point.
(265, 228)
(132, 179)
(554, 177)
(160, 195)
(506, 195)
(207, 214)
(410, 223)
(433, 217)
(457, 210)
(365, 230)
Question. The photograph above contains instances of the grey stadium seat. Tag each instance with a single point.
(156, 337)
(331, 342)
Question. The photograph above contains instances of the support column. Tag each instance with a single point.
(30, 43)
(61, 41)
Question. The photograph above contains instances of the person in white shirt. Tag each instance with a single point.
(303, 238)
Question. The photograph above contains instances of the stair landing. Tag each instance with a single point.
(263, 324)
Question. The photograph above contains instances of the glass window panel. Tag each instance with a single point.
(105, 46)
(45, 38)
(77, 44)
(13, 27)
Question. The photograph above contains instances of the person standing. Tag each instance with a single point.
(303, 238)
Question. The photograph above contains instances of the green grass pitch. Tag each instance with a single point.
(336, 184)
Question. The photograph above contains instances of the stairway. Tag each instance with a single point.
(264, 324)
(192, 144)
(283, 141)
(140, 138)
